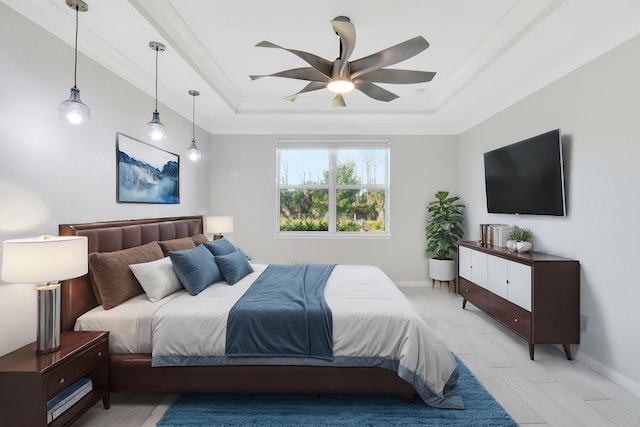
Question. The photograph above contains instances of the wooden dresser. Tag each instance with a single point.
(536, 295)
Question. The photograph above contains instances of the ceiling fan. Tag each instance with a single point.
(342, 75)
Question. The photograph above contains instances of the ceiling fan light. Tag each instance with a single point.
(340, 85)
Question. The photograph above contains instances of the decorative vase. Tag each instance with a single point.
(511, 245)
(523, 246)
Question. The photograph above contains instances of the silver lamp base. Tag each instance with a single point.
(48, 337)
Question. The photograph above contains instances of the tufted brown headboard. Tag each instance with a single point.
(77, 294)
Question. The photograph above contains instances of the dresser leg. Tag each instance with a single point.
(464, 303)
(106, 401)
(531, 350)
(567, 351)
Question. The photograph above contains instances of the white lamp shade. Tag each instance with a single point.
(44, 259)
(219, 224)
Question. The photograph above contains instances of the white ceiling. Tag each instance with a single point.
(487, 54)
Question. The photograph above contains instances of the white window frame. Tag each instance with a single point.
(333, 146)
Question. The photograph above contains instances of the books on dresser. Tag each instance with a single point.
(68, 397)
(494, 234)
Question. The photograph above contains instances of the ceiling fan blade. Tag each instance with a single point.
(389, 56)
(306, 73)
(308, 88)
(376, 92)
(347, 32)
(320, 64)
(338, 101)
(389, 75)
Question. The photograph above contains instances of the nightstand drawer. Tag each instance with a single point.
(63, 376)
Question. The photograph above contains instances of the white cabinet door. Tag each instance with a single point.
(519, 277)
(479, 268)
(464, 262)
(497, 276)
(510, 280)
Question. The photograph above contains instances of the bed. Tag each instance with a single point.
(136, 326)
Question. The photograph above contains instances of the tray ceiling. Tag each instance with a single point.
(487, 55)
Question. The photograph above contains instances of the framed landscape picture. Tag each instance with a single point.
(146, 173)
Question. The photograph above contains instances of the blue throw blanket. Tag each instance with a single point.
(283, 313)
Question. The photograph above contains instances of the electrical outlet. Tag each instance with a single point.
(583, 322)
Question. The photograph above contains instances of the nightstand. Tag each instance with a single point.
(29, 380)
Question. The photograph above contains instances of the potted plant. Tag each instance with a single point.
(521, 237)
(444, 229)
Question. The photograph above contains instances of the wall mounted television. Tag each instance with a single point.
(526, 177)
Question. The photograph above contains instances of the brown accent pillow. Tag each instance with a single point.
(199, 238)
(176, 245)
(111, 277)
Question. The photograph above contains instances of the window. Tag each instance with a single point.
(333, 188)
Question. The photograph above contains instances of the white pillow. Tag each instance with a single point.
(157, 278)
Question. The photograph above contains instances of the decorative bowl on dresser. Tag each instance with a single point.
(536, 295)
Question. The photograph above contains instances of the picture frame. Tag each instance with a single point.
(146, 173)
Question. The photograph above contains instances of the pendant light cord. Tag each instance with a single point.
(75, 65)
(193, 122)
(157, 79)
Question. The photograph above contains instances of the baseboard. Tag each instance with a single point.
(610, 374)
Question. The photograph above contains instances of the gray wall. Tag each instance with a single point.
(243, 176)
(596, 108)
(55, 173)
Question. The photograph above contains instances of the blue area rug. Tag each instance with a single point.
(481, 409)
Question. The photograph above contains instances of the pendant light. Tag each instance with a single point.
(73, 110)
(193, 152)
(155, 129)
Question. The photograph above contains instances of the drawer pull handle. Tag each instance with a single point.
(99, 354)
(515, 320)
(61, 380)
(466, 290)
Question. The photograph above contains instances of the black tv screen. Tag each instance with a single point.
(526, 177)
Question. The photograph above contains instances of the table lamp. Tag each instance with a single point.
(217, 225)
(45, 260)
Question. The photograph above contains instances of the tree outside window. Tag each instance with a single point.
(334, 189)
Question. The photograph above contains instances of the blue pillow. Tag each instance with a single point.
(196, 268)
(234, 266)
(220, 247)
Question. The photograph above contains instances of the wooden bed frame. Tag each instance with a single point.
(134, 373)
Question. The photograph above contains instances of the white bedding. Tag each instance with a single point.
(372, 319)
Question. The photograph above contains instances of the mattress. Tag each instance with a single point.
(373, 325)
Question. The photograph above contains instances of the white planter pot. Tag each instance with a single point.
(524, 246)
(443, 270)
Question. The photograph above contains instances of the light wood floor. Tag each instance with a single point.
(550, 391)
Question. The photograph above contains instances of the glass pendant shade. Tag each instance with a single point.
(73, 110)
(193, 152)
(155, 129)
